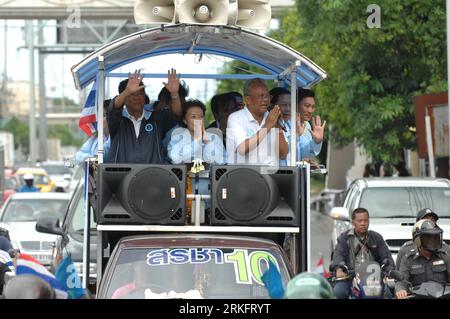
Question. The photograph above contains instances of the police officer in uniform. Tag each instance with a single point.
(429, 262)
(409, 246)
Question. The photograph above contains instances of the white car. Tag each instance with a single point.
(19, 216)
(393, 203)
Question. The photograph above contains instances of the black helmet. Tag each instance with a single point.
(309, 285)
(424, 212)
(427, 235)
(28, 286)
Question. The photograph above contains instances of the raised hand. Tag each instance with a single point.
(273, 116)
(173, 82)
(318, 129)
(300, 125)
(134, 82)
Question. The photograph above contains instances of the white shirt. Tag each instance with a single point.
(241, 126)
(136, 122)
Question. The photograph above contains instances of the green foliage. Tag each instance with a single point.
(65, 134)
(20, 132)
(373, 73)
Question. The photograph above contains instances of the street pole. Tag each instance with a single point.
(42, 101)
(31, 118)
(447, 9)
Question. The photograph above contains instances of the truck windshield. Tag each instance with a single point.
(382, 202)
(192, 273)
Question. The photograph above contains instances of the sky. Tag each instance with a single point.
(58, 78)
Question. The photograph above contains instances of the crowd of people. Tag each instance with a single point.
(252, 128)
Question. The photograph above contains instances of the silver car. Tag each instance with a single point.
(393, 203)
(19, 216)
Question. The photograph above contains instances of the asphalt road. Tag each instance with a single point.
(321, 226)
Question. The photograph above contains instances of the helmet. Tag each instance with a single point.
(425, 212)
(28, 176)
(28, 286)
(309, 285)
(426, 234)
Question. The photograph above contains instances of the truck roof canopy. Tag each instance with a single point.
(227, 41)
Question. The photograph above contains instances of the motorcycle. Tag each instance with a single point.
(367, 280)
(426, 290)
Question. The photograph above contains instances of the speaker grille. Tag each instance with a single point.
(219, 173)
(177, 215)
(243, 194)
(178, 173)
(118, 169)
(154, 200)
(218, 215)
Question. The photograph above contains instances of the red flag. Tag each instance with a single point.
(320, 268)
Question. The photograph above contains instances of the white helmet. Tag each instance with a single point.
(28, 177)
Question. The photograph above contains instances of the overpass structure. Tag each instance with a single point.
(96, 9)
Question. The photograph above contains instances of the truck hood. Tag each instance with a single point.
(25, 231)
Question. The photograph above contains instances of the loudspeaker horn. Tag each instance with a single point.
(203, 11)
(252, 14)
(154, 11)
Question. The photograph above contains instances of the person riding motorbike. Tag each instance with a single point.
(429, 262)
(425, 213)
(355, 248)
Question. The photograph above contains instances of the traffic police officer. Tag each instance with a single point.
(429, 262)
(409, 246)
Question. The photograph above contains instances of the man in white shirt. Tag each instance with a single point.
(253, 135)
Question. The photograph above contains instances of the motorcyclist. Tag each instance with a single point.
(425, 213)
(356, 246)
(28, 187)
(308, 285)
(429, 262)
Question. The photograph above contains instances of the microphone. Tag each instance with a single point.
(280, 120)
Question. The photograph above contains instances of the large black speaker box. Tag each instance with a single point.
(141, 194)
(250, 195)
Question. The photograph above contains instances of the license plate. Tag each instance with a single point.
(44, 259)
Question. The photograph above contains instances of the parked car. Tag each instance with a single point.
(41, 178)
(19, 215)
(70, 233)
(393, 204)
(191, 266)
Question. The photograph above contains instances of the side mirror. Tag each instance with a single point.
(49, 225)
(340, 213)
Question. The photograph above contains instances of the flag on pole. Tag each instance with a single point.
(26, 264)
(88, 119)
(67, 275)
(320, 268)
(273, 282)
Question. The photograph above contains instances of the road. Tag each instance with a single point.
(321, 226)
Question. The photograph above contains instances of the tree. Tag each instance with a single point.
(20, 132)
(373, 73)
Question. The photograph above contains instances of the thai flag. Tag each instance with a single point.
(88, 119)
(320, 268)
(26, 264)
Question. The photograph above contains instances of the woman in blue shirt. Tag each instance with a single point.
(193, 142)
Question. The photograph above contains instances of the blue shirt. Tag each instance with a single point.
(184, 149)
(306, 146)
(89, 148)
(5, 244)
(25, 189)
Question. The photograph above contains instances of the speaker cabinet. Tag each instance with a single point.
(154, 11)
(243, 195)
(141, 194)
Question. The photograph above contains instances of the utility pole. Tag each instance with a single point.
(31, 118)
(42, 99)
